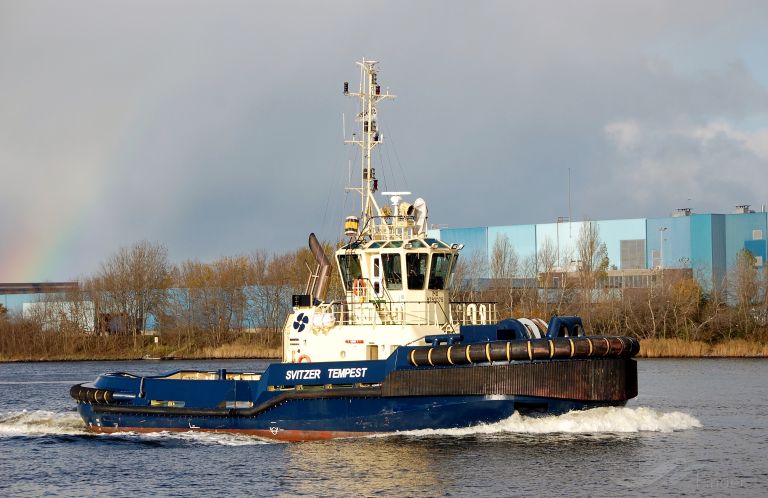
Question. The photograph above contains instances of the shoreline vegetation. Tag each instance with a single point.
(679, 348)
(118, 349)
(91, 348)
(86, 347)
(236, 306)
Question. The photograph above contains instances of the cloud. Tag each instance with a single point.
(713, 165)
(756, 141)
(216, 129)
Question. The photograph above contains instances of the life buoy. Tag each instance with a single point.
(358, 287)
(304, 359)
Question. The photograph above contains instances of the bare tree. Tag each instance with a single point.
(593, 258)
(132, 284)
(467, 275)
(504, 260)
(529, 296)
(746, 281)
(211, 294)
(686, 301)
(277, 277)
(763, 313)
(69, 312)
(547, 260)
(504, 267)
(270, 297)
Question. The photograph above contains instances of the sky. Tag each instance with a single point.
(215, 128)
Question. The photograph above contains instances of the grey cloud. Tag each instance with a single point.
(216, 128)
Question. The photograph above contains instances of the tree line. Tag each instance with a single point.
(671, 304)
(195, 305)
(190, 305)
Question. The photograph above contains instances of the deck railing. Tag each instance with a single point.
(384, 312)
(393, 228)
(473, 313)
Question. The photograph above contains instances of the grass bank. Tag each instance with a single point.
(223, 352)
(233, 351)
(30, 344)
(679, 348)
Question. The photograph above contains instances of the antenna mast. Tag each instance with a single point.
(369, 95)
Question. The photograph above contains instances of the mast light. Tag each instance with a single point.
(351, 225)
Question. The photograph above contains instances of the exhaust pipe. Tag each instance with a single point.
(320, 289)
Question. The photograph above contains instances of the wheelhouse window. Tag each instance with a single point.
(439, 271)
(439, 243)
(393, 271)
(454, 264)
(416, 266)
(352, 245)
(349, 264)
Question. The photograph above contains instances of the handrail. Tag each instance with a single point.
(473, 312)
(393, 227)
(388, 312)
(356, 392)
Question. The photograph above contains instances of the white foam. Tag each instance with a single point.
(607, 420)
(47, 423)
(40, 422)
(199, 437)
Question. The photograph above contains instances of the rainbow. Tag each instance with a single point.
(43, 253)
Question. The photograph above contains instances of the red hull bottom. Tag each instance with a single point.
(281, 435)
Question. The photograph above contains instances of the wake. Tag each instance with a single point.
(40, 423)
(606, 420)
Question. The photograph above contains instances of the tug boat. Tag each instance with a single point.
(393, 354)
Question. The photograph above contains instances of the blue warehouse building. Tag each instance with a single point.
(707, 244)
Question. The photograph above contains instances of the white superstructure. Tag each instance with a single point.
(395, 278)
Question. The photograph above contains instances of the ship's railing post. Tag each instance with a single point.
(472, 313)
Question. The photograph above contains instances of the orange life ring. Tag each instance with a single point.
(358, 287)
(304, 359)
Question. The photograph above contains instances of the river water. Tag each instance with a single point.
(698, 427)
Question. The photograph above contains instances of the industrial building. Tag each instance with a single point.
(13, 296)
(706, 244)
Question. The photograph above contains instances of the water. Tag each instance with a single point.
(699, 427)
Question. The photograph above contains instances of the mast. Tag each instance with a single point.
(369, 95)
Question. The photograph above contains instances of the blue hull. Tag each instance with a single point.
(328, 418)
(325, 400)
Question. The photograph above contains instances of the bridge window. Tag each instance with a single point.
(349, 264)
(352, 245)
(439, 243)
(416, 264)
(438, 274)
(393, 271)
(454, 264)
